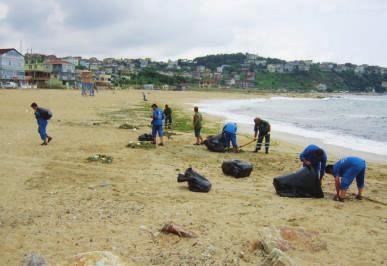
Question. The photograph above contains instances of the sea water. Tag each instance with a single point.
(355, 122)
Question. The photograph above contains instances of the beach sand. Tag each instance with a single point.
(55, 203)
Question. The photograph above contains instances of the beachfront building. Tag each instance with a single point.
(271, 68)
(11, 66)
(73, 60)
(37, 72)
(62, 70)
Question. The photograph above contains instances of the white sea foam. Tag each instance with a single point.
(243, 112)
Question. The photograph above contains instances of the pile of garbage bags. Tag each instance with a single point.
(196, 182)
(302, 184)
(215, 143)
(145, 137)
(237, 168)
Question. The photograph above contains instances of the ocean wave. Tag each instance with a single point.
(281, 98)
(327, 136)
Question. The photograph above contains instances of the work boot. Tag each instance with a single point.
(44, 143)
(267, 151)
(161, 144)
(358, 197)
(49, 139)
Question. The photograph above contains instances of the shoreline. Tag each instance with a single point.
(299, 141)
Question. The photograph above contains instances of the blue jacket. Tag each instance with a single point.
(343, 165)
(230, 127)
(308, 154)
(157, 117)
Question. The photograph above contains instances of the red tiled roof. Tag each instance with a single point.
(3, 51)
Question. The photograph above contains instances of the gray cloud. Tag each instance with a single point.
(325, 30)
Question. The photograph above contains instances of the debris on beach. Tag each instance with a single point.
(237, 168)
(100, 158)
(127, 126)
(95, 258)
(145, 137)
(141, 145)
(176, 229)
(33, 260)
(196, 182)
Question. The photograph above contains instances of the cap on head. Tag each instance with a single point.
(34, 105)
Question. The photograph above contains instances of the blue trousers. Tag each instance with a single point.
(230, 137)
(157, 130)
(356, 171)
(42, 125)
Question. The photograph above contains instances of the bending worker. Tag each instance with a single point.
(316, 157)
(345, 171)
(263, 127)
(229, 133)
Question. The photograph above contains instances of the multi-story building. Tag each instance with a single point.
(11, 66)
(271, 68)
(62, 70)
(36, 69)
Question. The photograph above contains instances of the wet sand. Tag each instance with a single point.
(54, 202)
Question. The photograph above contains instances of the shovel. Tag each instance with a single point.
(244, 145)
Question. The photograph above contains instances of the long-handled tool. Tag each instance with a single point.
(244, 145)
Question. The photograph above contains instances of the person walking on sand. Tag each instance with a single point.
(315, 157)
(263, 128)
(157, 124)
(344, 172)
(197, 125)
(229, 133)
(145, 98)
(42, 116)
(168, 116)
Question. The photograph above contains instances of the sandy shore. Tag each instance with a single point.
(54, 202)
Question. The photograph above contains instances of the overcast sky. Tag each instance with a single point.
(322, 30)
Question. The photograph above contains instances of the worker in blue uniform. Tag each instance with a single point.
(345, 171)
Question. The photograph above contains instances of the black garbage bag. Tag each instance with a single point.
(237, 168)
(215, 143)
(302, 184)
(145, 137)
(196, 182)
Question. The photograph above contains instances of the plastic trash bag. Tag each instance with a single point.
(302, 184)
(145, 137)
(237, 168)
(215, 143)
(196, 182)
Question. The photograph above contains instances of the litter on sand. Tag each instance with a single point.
(145, 137)
(302, 184)
(127, 126)
(176, 229)
(141, 145)
(196, 182)
(100, 158)
(237, 168)
(215, 143)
